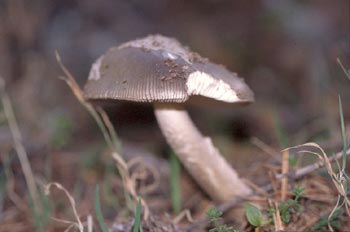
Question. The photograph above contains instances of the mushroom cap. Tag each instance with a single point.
(159, 69)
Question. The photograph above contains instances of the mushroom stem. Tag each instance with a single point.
(198, 154)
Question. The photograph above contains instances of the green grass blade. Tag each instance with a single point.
(280, 131)
(4, 173)
(98, 210)
(42, 218)
(109, 194)
(175, 188)
(137, 225)
(343, 134)
(3, 182)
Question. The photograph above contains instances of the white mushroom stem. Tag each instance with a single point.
(198, 154)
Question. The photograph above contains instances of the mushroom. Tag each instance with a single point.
(159, 70)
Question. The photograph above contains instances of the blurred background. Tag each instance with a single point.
(285, 50)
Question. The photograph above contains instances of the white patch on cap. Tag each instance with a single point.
(169, 55)
(95, 70)
(201, 83)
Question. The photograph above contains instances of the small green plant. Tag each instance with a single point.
(254, 215)
(298, 192)
(340, 178)
(291, 206)
(41, 218)
(215, 218)
(334, 221)
(62, 131)
(98, 210)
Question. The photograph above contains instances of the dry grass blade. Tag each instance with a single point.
(323, 157)
(128, 182)
(109, 134)
(18, 145)
(183, 214)
(277, 219)
(112, 133)
(78, 224)
(312, 167)
(347, 73)
(70, 80)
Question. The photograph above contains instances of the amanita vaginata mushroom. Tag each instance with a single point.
(159, 70)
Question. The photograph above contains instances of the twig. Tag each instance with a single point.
(18, 145)
(265, 148)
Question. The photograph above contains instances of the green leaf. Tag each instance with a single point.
(335, 224)
(343, 134)
(98, 210)
(175, 186)
(137, 225)
(253, 215)
(283, 206)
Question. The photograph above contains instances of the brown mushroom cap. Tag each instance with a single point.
(160, 69)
